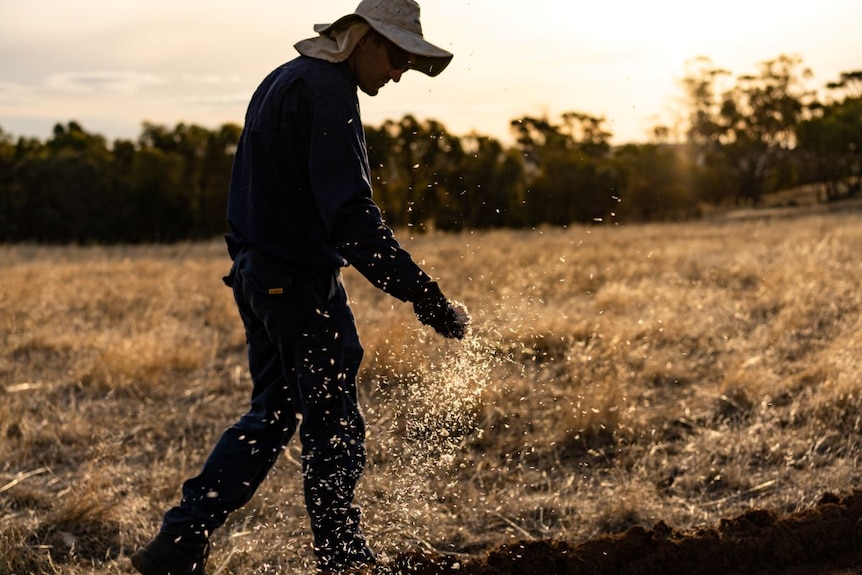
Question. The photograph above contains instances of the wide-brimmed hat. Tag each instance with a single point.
(397, 21)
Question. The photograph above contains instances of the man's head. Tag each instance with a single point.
(395, 30)
(375, 60)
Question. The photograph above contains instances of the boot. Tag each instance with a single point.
(169, 554)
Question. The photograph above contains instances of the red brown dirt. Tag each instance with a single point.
(824, 540)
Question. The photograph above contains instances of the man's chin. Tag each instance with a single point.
(370, 90)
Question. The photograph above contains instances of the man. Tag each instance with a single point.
(300, 208)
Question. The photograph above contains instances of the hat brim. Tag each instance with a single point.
(428, 58)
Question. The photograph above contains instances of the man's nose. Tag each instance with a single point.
(395, 74)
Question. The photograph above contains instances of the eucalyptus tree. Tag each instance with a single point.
(569, 173)
(743, 135)
(417, 171)
(830, 140)
(490, 183)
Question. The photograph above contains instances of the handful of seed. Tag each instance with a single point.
(461, 314)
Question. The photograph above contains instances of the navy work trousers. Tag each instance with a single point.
(303, 354)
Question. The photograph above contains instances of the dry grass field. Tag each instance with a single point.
(616, 378)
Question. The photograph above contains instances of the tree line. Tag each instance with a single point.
(744, 137)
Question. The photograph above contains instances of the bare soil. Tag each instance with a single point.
(823, 540)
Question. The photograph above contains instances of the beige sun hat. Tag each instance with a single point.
(398, 21)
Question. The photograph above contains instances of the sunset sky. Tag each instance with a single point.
(111, 65)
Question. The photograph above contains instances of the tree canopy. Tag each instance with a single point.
(746, 136)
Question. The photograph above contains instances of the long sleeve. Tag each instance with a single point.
(341, 186)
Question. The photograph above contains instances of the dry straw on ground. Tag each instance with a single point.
(616, 376)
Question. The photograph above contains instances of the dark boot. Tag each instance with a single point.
(169, 554)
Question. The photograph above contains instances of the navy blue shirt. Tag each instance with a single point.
(300, 189)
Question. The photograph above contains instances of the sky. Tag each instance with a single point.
(113, 64)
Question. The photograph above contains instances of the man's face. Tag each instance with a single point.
(376, 60)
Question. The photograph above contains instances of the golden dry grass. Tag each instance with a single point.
(615, 376)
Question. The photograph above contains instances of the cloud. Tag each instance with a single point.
(11, 93)
(212, 78)
(217, 99)
(102, 81)
(12, 87)
(14, 96)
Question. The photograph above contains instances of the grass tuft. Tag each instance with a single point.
(615, 378)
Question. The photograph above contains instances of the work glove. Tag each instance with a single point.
(449, 319)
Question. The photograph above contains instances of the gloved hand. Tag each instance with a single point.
(447, 318)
